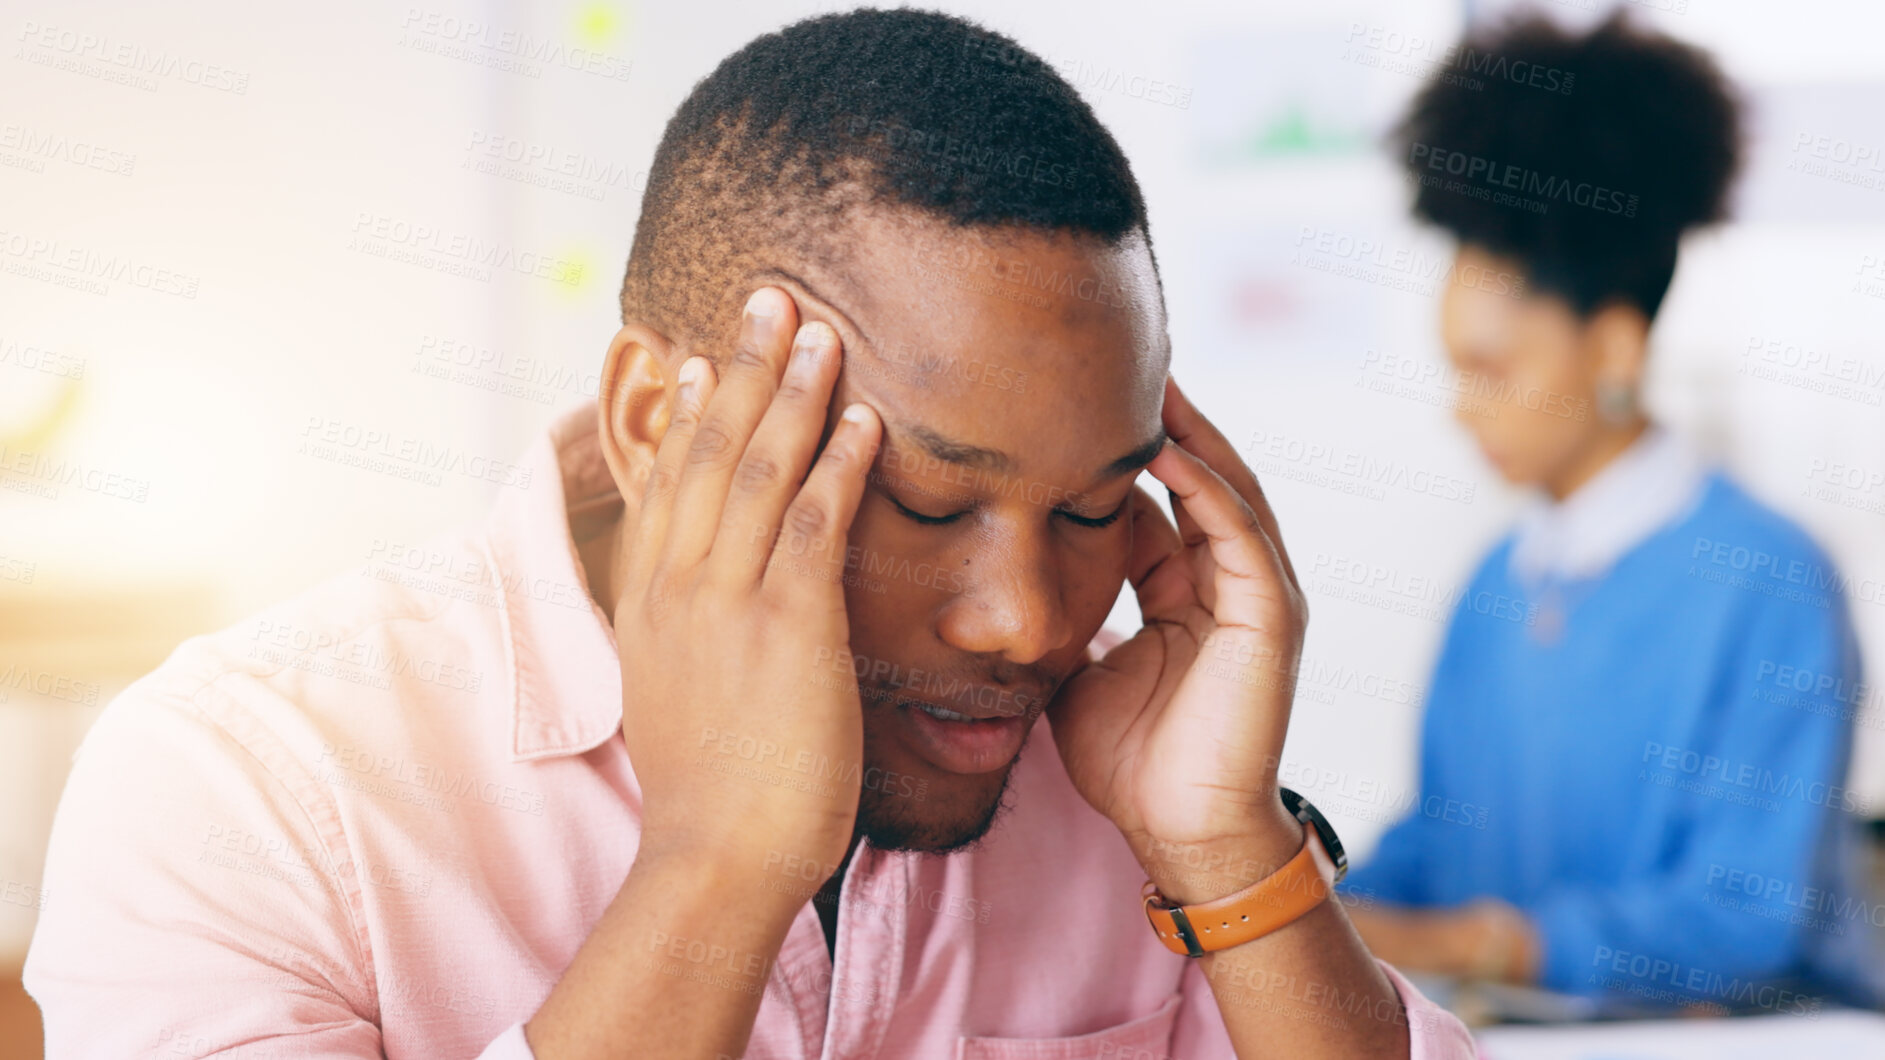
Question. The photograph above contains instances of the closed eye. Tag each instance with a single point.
(925, 520)
(1095, 523)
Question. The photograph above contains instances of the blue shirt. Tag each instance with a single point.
(1660, 753)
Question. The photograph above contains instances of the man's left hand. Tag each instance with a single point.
(1176, 734)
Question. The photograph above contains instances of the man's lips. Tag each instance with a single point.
(988, 742)
(973, 713)
(1010, 703)
(982, 725)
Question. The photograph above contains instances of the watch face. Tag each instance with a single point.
(1306, 812)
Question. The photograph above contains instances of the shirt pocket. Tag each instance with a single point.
(1145, 1038)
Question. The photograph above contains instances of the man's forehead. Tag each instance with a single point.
(988, 345)
(920, 297)
(878, 258)
(1061, 386)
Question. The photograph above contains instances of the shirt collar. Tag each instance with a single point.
(566, 673)
(1647, 487)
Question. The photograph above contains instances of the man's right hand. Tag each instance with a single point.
(745, 740)
(732, 595)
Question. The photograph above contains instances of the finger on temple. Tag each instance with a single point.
(1200, 437)
(776, 460)
(1250, 581)
(747, 383)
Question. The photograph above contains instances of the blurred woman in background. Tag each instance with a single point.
(1662, 792)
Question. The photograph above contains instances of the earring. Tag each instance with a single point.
(1616, 403)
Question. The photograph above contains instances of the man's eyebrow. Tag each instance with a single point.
(954, 452)
(1138, 458)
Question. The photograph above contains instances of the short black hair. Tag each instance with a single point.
(903, 108)
(1582, 157)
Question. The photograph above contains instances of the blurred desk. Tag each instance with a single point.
(1830, 1036)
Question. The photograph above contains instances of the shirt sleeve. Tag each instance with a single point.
(1433, 1033)
(1759, 802)
(193, 904)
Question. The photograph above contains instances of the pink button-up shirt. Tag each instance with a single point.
(381, 818)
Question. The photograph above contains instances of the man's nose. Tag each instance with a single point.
(1013, 605)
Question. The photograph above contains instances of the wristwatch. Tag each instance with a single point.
(1303, 883)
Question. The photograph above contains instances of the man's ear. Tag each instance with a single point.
(633, 402)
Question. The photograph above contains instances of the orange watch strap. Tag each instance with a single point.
(1303, 883)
